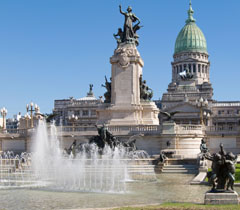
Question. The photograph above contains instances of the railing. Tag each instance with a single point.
(114, 129)
(219, 130)
(13, 132)
(189, 129)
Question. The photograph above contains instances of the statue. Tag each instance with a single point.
(119, 36)
(71, 149)
(107, 94)
(90, 88)
(146, 93)
(105, 137)
(162, 157)
(203, 147)
(90, 93)
(186, 75)
(169, 115)
(128, 34)
(223, 170)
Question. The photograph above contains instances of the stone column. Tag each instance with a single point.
(126, 70)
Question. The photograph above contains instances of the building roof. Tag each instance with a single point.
(88, 98)
(190, 38)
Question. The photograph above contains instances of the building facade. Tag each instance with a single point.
(77, 112)
(189, 97)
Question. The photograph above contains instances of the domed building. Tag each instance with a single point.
(190, 71)
(189, 97)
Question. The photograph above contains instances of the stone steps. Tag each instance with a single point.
(182, 169)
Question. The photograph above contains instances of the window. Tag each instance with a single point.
(202, 68)
(190, 67)
(194, 68)
(76, 113)
(180, 68)
(206, 69)
(199, 67)
(93, 112)
(85, 113)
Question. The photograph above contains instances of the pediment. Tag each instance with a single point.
(184, 107)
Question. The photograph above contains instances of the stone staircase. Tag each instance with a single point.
(181, 169)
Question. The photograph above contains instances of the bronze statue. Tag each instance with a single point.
(146, 93)
(169, 115)
(128, 34)
(203, 147)
(107, 94)
(223, 170)
(119, 36)
(90, 87)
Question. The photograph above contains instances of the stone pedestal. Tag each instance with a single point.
(221, 198)
(169, 128)
(126, 108)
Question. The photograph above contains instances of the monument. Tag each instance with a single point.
(128, 98)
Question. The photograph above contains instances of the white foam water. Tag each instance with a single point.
(88, 171)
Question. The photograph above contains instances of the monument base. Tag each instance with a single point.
(144, 114)
(221, 198)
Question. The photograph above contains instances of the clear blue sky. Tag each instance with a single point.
(52, 49)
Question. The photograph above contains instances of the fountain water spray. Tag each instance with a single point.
(88, 170)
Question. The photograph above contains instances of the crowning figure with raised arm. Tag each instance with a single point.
(129, 31)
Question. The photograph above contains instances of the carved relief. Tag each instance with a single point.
(123, 55)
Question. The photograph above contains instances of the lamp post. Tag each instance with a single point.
(4, 114)
(30, 108)
(202, 103)
(73, 118)
(27, 117)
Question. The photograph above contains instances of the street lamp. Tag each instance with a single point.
(4, 114)
(73, 118)
(31, 110)
(27, 117)
(201, 103)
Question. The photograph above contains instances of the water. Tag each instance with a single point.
(167, 188)
(87, 171)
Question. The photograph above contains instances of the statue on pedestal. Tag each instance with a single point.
(223, 170)
(128, 34)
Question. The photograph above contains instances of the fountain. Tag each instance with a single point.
(102, 165)
(85, 170)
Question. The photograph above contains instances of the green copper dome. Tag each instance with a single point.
(190, 38)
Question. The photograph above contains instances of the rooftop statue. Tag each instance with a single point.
(222, 176)
(128, 34)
